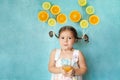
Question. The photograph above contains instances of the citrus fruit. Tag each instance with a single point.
(84, 23)
(75, 16)
(55, 9)
(61, 18)
(46, 5)
(94, 19)
(82, 2)
(43, 16)
(67, 68)
(51, 22)
(90, 10)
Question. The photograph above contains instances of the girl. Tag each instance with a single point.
(67, 63)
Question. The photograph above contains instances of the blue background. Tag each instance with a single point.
(25, 45)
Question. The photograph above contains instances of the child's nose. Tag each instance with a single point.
(66, 39)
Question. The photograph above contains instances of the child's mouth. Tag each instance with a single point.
(65, 44)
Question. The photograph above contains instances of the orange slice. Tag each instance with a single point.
(90, 10)
(75, 16)
(82, 2)
(94, 19)
(61, 18)
(84, 24)
(51, 22)
(55, 9)
(67, 68)
(46, 5)
(43, 16)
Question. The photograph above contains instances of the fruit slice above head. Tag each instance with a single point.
(61, 18)
(43, 16)
(75, 16)
(46, 5)
(55, 9)
(82, 2)
(94, 19)
(90, 10)
(51, 22)
(84, 24)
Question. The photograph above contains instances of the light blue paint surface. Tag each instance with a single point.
(25, 44)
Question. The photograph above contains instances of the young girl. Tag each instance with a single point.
(67, 63)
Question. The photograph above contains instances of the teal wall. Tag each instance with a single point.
(25, 44)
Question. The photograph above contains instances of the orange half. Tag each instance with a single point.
(75, 16)
(61, 18)
(55, 9)
(43, 16)
(94, 19)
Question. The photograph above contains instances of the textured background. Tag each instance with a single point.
(25, 44)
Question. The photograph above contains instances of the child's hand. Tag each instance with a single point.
(62, 71)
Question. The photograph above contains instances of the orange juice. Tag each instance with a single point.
(67, 68)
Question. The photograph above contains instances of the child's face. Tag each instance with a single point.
(66, 39)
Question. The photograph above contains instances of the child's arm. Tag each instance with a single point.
(82, 65)
(51, 66)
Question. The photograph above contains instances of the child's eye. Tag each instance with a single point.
(69, 38)
(62, 37)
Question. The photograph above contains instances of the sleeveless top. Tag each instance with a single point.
(59, 64)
